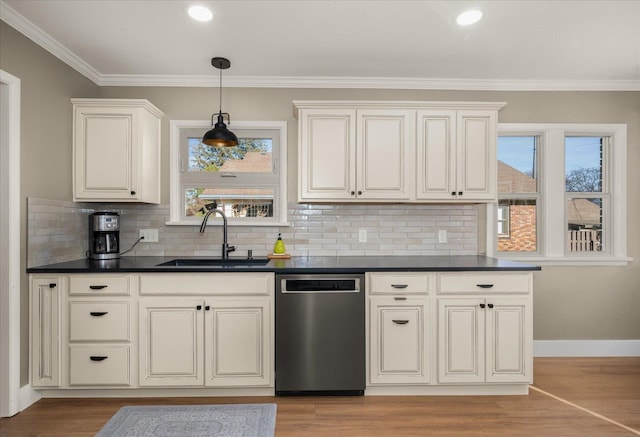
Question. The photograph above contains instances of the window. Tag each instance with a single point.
(561, 194)
(518, 194)
(586, 192)
(503, 221)
(247, 182)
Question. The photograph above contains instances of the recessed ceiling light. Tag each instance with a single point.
(200, 13)
(469, 17)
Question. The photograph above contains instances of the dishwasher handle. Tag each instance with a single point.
(320, 285)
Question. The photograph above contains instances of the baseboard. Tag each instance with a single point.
(28, 397)
(586, 348)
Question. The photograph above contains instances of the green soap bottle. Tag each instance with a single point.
(278, 248)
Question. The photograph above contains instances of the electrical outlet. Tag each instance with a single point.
(149, 235)
(442, 236)
(362, 236)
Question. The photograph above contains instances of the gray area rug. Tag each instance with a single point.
(241, 420)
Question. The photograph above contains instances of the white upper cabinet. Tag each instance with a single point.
(327, 154)
(397, 151)
(456, 155)
(348, 154)
(436, 154)
(116, 150)
(476, 175)
(384, 154)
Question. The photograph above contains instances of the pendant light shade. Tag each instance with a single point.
(219, 135)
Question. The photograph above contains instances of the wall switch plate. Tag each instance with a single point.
(150, 235)
(442, 236)
(362, 236)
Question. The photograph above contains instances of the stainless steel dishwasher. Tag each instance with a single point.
(320, 334)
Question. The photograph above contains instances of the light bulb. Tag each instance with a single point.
(200, 13)
(469, 17)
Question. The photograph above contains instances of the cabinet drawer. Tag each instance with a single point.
(99, 365)
(207, 283)
(484, 283)
(102, 285)
(402, 283)
(99, 321)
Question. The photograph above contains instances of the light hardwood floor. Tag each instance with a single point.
(570, 397)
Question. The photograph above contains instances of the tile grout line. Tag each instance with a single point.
(593, 413)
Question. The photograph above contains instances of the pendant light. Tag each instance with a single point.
(220, 136)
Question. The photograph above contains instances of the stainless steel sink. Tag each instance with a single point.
(190, 262)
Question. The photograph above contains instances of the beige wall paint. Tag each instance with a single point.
(47, 84)
(569, 303)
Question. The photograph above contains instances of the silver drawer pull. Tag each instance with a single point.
(98, 357)
(399, 298)
(399, 285)
(484, 285)
(98, 313)
(400, 322)
(97, 287)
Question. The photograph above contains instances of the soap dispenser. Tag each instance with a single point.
(279, 248)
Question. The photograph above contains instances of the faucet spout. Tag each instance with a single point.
(225, 246)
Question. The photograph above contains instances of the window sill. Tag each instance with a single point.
(231, 223)
(571, 261)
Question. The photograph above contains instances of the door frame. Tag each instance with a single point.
(10, 245)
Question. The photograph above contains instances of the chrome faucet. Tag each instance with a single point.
(225, 246)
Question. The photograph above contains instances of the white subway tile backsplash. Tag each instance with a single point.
(57, 231)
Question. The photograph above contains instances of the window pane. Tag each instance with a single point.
(583, 164)
(235, 202)
(584, 227)
(517, 164)
(251, 155)
(517, 225)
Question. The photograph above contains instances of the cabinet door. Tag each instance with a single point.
(461, 344)
(399, 341)
(171, 342)
(509, 340)
(436, 155)
(384, 154)
(106, 153)
(238, 342)
(327, 154)
(476, 155)
(45, 332)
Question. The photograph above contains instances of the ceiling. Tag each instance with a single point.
(518, 45)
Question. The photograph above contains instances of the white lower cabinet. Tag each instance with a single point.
(98, 332)
(399, 318)
(218, 342)
(238, 342)
(99, 365)
(483, 340)
(45, 331)
(450, 333)
(399, 346)
(171, 342)
(427, 332)
(485, 337)
(164, 330)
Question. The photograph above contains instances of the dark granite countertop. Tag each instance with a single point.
(301, 265)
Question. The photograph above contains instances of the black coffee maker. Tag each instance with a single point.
(104, 235)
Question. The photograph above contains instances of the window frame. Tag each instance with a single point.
(552, 239)
(176, 204)
(534, 196)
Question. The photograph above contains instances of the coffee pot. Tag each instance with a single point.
(104, 235)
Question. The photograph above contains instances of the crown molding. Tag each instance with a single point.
(371, 83)
(37, 35)
(44, 40)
